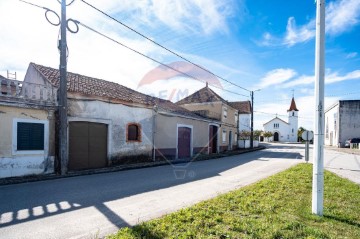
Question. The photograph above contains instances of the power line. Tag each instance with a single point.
(260, 112)
(150, 58)
(163, 47)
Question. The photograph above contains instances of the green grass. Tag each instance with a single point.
(277, 207)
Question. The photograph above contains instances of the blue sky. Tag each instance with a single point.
(267, 45)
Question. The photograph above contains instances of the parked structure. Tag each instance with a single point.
(284, 131)
(207, 103)
(342, 122)
(27, 142)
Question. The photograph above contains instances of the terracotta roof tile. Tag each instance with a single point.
(244, 107)
(96, 87)
(203, 95)
(292, 105)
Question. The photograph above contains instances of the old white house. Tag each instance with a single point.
(284, 131)
(342, 122)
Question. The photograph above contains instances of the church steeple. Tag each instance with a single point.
(292, 105)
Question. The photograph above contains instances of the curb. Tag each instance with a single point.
(36, 178)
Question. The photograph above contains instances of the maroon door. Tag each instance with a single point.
(212, 139)
(184, 142)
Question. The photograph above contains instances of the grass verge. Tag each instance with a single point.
(277, 207)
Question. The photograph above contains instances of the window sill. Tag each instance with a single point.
(29, 152)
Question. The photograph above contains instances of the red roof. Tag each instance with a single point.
(244, 107)
(293, 106)
(109, 90)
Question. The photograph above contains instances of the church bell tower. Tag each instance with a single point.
(293, 121)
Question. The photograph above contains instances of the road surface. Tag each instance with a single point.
(96, 205)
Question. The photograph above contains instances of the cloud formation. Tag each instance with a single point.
(341, 16)
(276, 76)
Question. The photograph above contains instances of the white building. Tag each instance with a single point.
(342, 122)
(284, 131)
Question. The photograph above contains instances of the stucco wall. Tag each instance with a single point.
(166, 133)
(244, 122)
(117, 116)
(283, 129)
(331, 126)
(349, 113)
(13, 164)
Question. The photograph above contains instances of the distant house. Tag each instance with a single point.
(342, 122)
(284, 131)
(244, 113)
(207, 103)
(111, 124)
(27, 128)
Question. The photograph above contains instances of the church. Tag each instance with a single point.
(284, 131)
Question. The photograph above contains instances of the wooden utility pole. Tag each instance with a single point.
(318, 158)
(62, 96)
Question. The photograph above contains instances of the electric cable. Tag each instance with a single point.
(150, 58)
(163, 47)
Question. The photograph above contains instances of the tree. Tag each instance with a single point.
(268, 134)
(244, 134)
(257, 134)
(299, 133)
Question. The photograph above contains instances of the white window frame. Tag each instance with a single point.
(224, 135)
(31, 152)
(225, 112)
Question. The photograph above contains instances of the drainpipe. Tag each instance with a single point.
(154, 130)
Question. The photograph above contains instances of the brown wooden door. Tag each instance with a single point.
(184, 142)
(87, 145)
(212, 139)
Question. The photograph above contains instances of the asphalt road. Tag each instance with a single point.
(96, 205)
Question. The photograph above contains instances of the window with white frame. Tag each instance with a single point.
(30, 136)
(225, 112)
(224, 135)
(236, 117)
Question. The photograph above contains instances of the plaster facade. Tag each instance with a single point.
(21, 163)
(342, 122)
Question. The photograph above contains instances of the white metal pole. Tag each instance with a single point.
(318, 160)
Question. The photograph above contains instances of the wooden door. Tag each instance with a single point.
(87, 145)
(184, 142)
(213, 139)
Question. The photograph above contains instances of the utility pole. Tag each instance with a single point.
(62, 96)
(252, 120)
(318, 158)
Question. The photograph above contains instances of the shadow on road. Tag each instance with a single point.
(31, 201)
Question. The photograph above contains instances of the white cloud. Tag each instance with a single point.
(351, 55)
(334, 77)
(341, 16)
(27, 37)
(276, 76)
(330, 78)
(296, 34)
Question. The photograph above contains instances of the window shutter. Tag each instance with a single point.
(30, 136)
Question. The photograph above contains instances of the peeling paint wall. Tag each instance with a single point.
(349, 122)
(12, 165)
(118, 117)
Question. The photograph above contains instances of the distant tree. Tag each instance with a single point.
(299, 133)
(257, 134)
(243, 135)
(268, 134)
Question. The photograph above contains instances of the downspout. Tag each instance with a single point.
(155, 111)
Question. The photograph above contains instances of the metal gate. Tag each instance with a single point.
(184, 142)
(87, 145)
